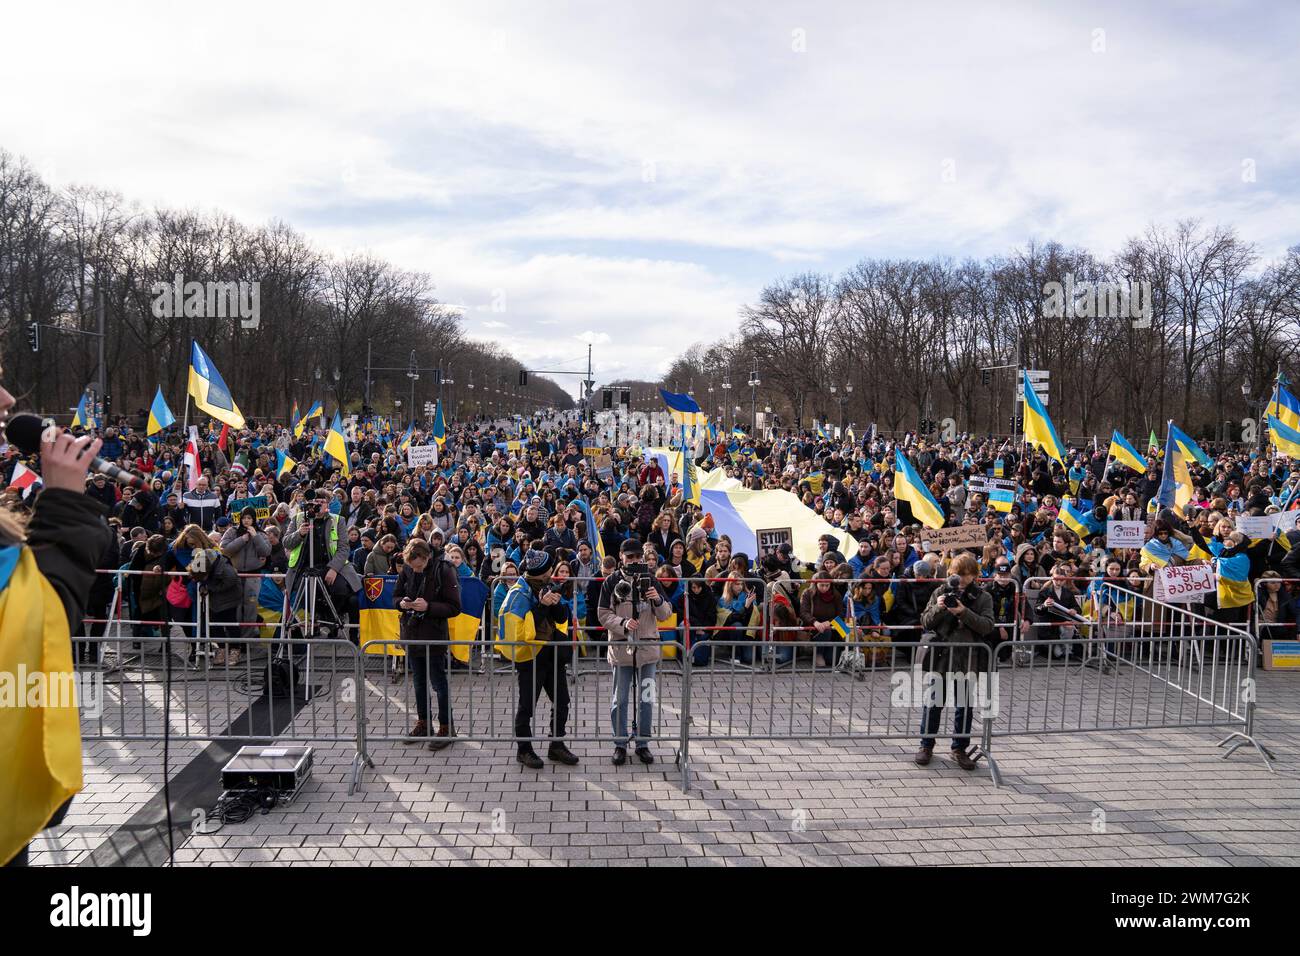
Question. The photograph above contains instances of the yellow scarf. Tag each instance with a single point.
(40, 760)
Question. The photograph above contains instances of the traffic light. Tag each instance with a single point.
(523, 378)
(1017, 422)
(986, 377)
(34, 336)
(437, 376)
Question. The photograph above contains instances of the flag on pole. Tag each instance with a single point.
(909, 487)
(1285, 407)
(84, 417)
(160, 416)
(24, 479)
(1286, 438)
(684, 409)
(1153, 443)
(439, 426)
(405, 441)
(224, 438)
(1039, 430)
(192, 467)
(1175, 482)
(283, 464)
(1189, 446)
(209, 391)
(336, 446)
(312, 412)
(1125, 454)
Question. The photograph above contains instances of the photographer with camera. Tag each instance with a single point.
(631, 606)
(526, 628)
(427, 593)
(959, 612)
(314, 551)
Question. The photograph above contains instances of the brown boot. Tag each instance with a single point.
(963, 759)
(923, 756)
(443, 739)
(421, 729)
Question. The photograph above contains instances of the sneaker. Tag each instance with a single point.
(530, 759)
(620, 756)
(644, 755)
(561, 754)
(923, 756)
(963, 759)
(421, 729)
(443, 739)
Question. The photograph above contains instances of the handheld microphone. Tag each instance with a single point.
(25, 432)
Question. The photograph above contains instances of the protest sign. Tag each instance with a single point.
(1256, 526)
(417, 455)
(1125, 534)
(258, 503)
(954, 539)
(1185, 583)
(769, 539)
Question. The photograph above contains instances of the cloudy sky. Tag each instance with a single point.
(630, 174)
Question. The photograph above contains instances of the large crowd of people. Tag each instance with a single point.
(521, 504)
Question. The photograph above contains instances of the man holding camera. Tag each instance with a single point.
(526, 628)
(630, 609)
(959, 613)
(315, 550)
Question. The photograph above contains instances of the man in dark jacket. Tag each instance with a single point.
(428, 594)
(955, 615)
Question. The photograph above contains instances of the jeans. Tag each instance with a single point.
(429, 666)
(543, 672)
(962, 717)
(624, 679)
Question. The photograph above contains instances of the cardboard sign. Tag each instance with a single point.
(258, 503)
(1185, 583)
(769, 539)
(1126, 534)
(955, 539)
(417, 455)
(1256, 526)
(1281, 655)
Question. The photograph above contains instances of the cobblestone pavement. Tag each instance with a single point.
(1120, 798)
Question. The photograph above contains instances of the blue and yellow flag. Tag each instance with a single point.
(1001, 499)
(909, 487)
(1286, 438)
(405, 441)
(283, 464)
(591, 532)
(1176, 481)
(439, 426)
(1125, 454)
(313, 412)
(336, 446)
(1157, 554)
(1078, 521)
(684, 409)
(1039, 430)
(1192, 449)
(209, 391)
(83, 418)
(1285, 407)
(160, 416)
(270, 606)
(840, 628)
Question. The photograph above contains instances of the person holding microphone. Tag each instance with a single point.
(46, 570)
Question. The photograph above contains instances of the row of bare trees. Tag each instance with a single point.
(914, 338)
(63, 252)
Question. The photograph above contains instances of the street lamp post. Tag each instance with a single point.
(753, 400)
(726, 393)
(414, 376)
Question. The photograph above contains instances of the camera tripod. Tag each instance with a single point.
(301, 607)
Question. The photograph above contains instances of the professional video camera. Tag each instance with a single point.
(951, 593)
(635, 586)
(314, 508)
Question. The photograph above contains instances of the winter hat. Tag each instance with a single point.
(630, 547)
(536, 563)
(922, 569)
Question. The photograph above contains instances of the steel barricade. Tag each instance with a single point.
(1145, 665)
(1280, 630)
(484, 705)
(282, 688)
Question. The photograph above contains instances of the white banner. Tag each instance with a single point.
(417, 455)
(1125, 534)
(1257, 526)
(1185, 583)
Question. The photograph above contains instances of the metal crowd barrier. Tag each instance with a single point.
(1155, 665)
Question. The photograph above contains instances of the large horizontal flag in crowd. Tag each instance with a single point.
(742, 514)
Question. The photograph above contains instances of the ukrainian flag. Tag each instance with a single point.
(1189, 446)
(1176, 482)
(1285, 407)
(739, 432)
(1001, 499)
(1080, 522)
(685, 410)
(160, 416)
(1156, 554)
(82, 417)
(312, 412)
(909, 487)
(283, 464)
(270, 606)
(1126, 454)
(209, 391)
(405, 441)
(380, 618)
(1286, 438)
(439, 426)
(690, 481)
(592, 532)
(336, 446)
(821, 430)
(840, 628)
(465, 626)
(1039, 430)
(1234, 577)
(816, 481)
